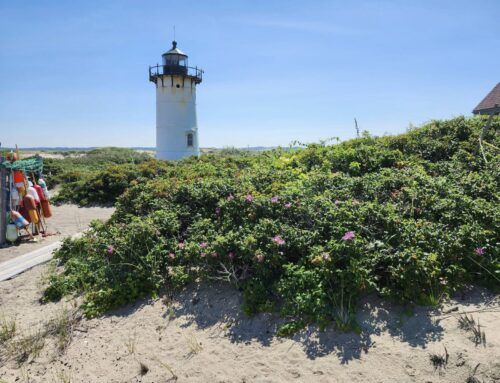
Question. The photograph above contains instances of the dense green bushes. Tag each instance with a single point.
(102, 175)
(77, 167)
(106, 185)
(304, 232)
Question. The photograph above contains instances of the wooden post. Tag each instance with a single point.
(3, 204)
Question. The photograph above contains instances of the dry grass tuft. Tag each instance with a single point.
(169, 369)
(193, 344)
(472, 375)
(26, 346)
(439, 361)
(25, 375)
(62, 377)
(7, 329)
(131, 343)
(468, 324)
(62, 326)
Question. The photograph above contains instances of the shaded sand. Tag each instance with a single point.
(65, 221)
(203, 337)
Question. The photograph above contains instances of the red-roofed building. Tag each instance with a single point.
(491, 103)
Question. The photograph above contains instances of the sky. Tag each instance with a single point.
(75, 73)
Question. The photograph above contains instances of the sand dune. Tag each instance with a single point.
(200, 335)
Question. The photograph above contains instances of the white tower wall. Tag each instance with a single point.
(176, 117)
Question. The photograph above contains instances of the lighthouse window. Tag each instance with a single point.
(190, 139)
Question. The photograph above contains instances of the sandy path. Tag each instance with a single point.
(65, 221)
(207, 339)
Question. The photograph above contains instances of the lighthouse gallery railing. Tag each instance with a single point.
(161, 70)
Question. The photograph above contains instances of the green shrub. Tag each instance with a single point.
(78, 167)
(304, 232)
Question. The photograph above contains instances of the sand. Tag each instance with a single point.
(66, 220)
(200, 335)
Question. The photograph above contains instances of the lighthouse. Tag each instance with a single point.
(176, 122)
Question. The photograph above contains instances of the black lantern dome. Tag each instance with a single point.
(175, 62)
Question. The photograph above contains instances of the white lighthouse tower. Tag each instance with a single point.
(176, 124)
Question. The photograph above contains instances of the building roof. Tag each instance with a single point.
(175, 50)
(488, 104)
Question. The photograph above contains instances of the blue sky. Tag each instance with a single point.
(74, 73)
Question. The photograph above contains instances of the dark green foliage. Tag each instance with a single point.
(106, 185)
(78, 167)
(303, 232)
(290, 328)
(102, 175)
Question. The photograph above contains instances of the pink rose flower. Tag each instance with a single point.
(249, 198)
(203, 245)
(479, 250)
(275, 199)
(288, 205)
(278, 240)
(171, 255)
(348, 236)
(110, 250)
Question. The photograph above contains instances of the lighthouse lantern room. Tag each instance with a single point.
(176, 122)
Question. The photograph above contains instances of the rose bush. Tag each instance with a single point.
(304, 232)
